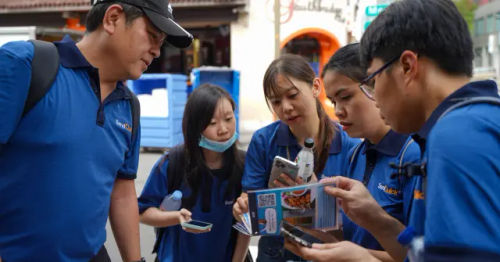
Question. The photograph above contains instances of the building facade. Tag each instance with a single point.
(486, 41)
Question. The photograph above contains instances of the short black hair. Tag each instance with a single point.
(431, 28)
(96, 14)
(346, 61)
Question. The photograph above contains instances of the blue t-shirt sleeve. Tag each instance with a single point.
(129, 167)
(255, 174)
(15, 76)
(463, 198)
(156, 187)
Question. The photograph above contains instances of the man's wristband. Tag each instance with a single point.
(140, 260)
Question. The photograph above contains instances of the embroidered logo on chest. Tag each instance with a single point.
(122, 125)
(388, 190)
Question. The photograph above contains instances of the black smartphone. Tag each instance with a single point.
(297, 235)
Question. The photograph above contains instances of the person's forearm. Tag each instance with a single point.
(381, 255)
(386, 231)
(241, 249)
(124, 219)
(155, 217)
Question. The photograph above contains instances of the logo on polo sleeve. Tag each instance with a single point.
(417, 194)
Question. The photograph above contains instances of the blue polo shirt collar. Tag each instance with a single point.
(71, 57)
(286, 138)
(390, 144)
(472, 89)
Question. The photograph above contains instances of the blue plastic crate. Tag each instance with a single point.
(162, 132)
(228, 79)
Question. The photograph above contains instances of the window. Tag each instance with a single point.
(490, 23)
(497, 20)
(478, 59)
(480, 26)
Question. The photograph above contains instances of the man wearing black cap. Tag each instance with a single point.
(72, 158)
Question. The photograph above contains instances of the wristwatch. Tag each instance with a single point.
(140, 260)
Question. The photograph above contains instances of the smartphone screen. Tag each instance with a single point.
(199, 223)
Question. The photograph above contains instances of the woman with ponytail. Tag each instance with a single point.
(291, 89)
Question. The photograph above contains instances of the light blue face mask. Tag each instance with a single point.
(217, 146)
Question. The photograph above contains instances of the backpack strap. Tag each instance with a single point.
(44, 67)
(136, 116)
(472, 100)
(355, 152)
(401, 158)
(175, 177)
(411, 169)
(175, 169)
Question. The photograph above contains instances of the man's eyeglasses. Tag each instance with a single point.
(368, 84)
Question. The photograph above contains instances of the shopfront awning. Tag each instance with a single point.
(53, 13)
(30, 6)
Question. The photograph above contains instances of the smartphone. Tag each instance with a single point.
(282, 165)
(195, 224)
(297, 235)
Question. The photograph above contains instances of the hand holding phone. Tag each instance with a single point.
(282, 166)
(184, 215)
(297, 235)
(196, 226)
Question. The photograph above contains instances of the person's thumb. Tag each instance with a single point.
(186, 212)
(323, 246)
(336, 192)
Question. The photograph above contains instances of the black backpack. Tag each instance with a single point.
(44, 68)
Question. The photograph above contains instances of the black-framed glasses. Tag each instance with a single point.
(368, 84)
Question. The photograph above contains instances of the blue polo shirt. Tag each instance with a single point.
(369, 163)
(276, 139)
(59, 162)
(177, 245)
(462, 152)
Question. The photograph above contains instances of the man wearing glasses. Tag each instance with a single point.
(419, 57)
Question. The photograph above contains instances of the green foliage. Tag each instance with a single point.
(467, 9)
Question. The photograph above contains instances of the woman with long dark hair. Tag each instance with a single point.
(369, 162)
(291, 89)
(208, 169)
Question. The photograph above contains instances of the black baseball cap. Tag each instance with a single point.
(159, 13)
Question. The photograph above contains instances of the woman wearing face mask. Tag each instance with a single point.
(208, 173)
(369, 162)
(291, 89)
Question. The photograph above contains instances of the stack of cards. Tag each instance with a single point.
(245, 225)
